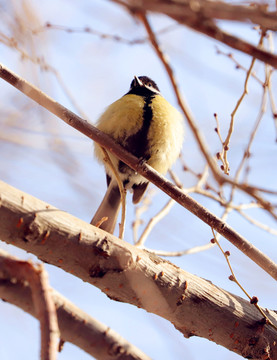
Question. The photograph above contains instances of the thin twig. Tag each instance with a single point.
(153, 221)
(40, 61)
(190, 251)
(238, 64)
(246, 154)
(165, 210)
(257, 223)
(226, 144)
(270, 91)
(252, 135)
(226, 254)
(101, 35)
(217, 129)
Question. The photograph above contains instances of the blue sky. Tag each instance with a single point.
(50, 160)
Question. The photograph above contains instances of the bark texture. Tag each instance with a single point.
(193, 305)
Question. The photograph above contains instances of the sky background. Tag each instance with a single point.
(47, 159)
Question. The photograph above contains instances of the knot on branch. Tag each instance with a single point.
(33, 230)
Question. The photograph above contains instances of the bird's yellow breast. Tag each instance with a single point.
(122, 118)
(125, 117)
(165, 134)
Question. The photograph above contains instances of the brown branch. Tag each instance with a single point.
(238, 65)
(233, 277)
(75, 325)
(128, 274)
(226, 143)
(235, 42)
(144, 169)
(100, 35)
(43, 304)
(154, 221)
(256, 13)
(193, 15)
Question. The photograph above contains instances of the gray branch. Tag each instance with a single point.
(125, 273)
(75, 325)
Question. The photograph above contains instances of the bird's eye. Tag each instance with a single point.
(149, 84)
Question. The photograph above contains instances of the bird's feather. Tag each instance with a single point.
(139, 191)
(109, 208)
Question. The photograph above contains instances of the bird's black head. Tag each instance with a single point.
(143, 86)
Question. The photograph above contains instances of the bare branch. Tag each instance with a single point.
(233, 277)
(200, 17)
(226, 143)
(101, 35)
(75, 325)
(193, 250)
(257, 13)
(257, 223)
(153, 221)
(43, 304)
(128, 274)
(239, 65)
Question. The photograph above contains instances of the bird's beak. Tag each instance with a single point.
(138, 82)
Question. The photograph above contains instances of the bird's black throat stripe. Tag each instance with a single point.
(137, 144)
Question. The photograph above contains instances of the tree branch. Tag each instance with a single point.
(200, 16)
(128, 274)
(75, 325)
(256, 13)
(43, 305)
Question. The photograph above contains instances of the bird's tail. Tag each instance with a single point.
(109, 208)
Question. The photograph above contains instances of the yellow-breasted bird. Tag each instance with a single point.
(146, 125)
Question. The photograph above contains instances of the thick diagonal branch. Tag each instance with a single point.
(125, 273)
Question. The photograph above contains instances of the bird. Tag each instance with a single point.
(149, 127)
